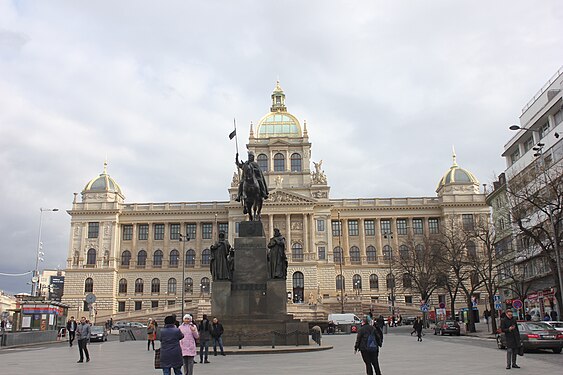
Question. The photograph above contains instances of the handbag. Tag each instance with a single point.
(157, 359)
(521, 350)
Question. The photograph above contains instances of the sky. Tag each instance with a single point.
(387, 88)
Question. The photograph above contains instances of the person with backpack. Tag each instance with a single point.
(368, 342)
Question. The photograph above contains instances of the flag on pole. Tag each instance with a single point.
(233, 133)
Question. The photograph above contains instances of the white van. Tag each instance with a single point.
(344, 318)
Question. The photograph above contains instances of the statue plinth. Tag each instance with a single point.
(251, 306)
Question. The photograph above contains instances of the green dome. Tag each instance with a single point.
(278, 124)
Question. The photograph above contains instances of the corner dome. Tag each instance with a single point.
(278, 123)
(103, 183)
(457, 176)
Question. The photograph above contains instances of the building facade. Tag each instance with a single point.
(130, 254)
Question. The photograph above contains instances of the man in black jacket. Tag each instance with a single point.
(369, 355)
(510, 328)
(216, 333)
(71, 326)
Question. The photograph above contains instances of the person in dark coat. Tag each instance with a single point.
(370, 357)
(417, 326)
(170, 351)
(510, 328)
(216, 333)
(204, 329)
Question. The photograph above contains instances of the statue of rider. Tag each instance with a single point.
(255, 168)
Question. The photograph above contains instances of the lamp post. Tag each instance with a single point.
(183, 238)
(35, 278)
(341, 254)
(389, 236)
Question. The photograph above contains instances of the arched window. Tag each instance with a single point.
(174, 258)
(298, 287)
(419, 251)
(91, 257)
(155, 285)
(297, 252)
(139, 286)
(390, 280)
(189, 285)
(142, 259)
(125, 258)
(337, 254)
(471, 249)
(88, 285)
(407, 281)
(475, 278)
(279, 162)
(404, 252)
(357, 282)
(171, 285)
(157, 258)
(373, 281)
(205, 285)
(387, 252)
(205, 257)
(295, 162)
(340, 282)
(190, 258)
(262, 160)
(371, 254)
(355, 254)
(123, 286)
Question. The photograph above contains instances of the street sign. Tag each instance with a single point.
(441, 311)
(498, 306)
(442, 305)
(90, 298)
(497, 298)
(424, 308)
(517, 304)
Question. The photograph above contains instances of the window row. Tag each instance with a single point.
(279, 162)
(174, 229)
(173, 259)
(204, 285)
(402, 227)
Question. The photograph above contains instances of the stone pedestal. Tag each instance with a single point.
(251, 307)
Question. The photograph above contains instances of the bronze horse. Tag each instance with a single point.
(252, 199)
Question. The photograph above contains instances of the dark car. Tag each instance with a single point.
(536, 335)
(448, 326)
(409, 320)
(98, 333)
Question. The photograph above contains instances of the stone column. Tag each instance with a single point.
(378, 239)
(270, 226)
(312, 235)
(305, 234)
(362, 240)
(345, 241)
(288, 234)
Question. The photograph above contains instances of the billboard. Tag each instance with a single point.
(56, 288)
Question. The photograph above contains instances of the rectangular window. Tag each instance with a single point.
(467, 221)
(408, 300)
(528, 144)
(369, 227)
(121, 306)
(154, 304)
(143, 232)
(544, 129)
(441, 298)
(434, 225)
(336, 228)
(191, 230)
(207, 231)
(417, 226)
(515, 156)
(138, 305)
(353, 228)
(171, 302)
(93, 230)
(385, 226)
(321, 250)
(175, 232)
(320, 225)
(223, 227)
(402, 227)
(127, 232)
(558, 117)
(159, 232)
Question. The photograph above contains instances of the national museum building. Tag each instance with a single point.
(130, 254)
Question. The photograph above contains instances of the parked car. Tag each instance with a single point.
(409, 320)
(449, 326)
(557, 325)
(119, 325)
(98, 333)
(137, 325)
(536, 335)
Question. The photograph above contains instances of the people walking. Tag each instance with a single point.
(188, 343)
(71, 326)
(170, 351)
(368, 341)
(204, 337)
(151, 334)
(512, 337)
(216, 334)
(417, 326)
(83, 337)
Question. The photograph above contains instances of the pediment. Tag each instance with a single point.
(280, 196)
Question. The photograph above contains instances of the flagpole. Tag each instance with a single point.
(236, 138)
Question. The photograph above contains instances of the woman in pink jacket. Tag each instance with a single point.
(188, 344)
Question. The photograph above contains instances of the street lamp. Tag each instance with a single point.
(389, 236)
(35, 278)
(341, 254)
(183, 238)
